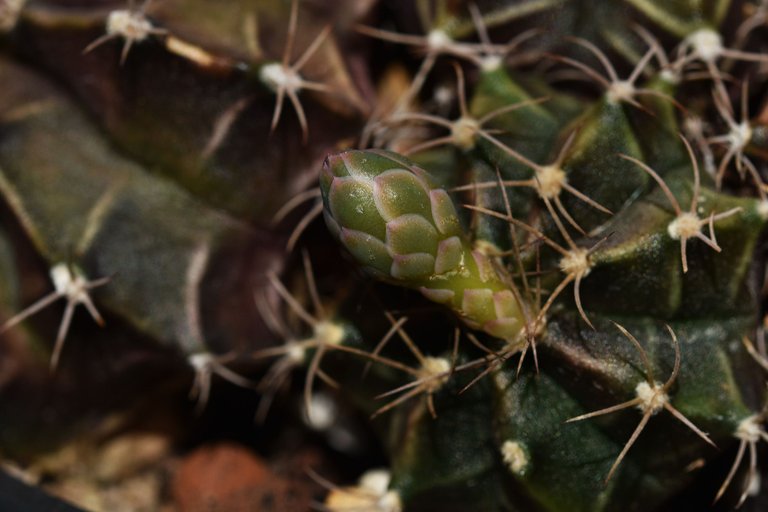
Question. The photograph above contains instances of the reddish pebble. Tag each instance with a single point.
(230, 478)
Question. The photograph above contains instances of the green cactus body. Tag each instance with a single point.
(634, 268)
(608, 231)
(176, 251)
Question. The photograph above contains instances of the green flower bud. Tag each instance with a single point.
(404, 229)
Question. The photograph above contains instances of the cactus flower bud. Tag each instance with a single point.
(404, 229)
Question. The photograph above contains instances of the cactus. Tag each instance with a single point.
(537, 280)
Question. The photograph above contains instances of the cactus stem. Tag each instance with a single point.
(130, 24)
(651, 398)
(205, 365)
(70, 284)
(687, 224)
